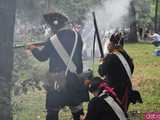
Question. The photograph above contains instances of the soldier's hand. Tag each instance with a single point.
(82, 117)
(87, 82)
(101, 60)
(30, 46)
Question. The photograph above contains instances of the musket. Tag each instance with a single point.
(96, 35)
(25, 45)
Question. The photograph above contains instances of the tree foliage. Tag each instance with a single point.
(74, 9)
(145, 10)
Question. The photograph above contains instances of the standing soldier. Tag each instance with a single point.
(64, 51)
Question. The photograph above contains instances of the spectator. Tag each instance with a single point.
(155, 37)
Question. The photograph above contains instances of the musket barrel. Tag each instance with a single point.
(24, 45)
(97, 34)
(19, 46)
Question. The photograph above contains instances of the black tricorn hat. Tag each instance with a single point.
(55, 19)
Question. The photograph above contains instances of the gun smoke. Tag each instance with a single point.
(111, 15)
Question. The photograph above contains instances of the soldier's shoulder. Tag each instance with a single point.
(94, 100)
(110, 56)
(65, 31)
(64, 34)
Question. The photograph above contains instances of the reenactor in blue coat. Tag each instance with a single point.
(64, 52)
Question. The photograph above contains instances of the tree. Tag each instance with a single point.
(148, 14)
(156, 16)
(133, 24)
(7, 21)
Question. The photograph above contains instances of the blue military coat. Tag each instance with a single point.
(75, 91)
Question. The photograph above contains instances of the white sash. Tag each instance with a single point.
(125, 64)
(63, 53)
(116, 108)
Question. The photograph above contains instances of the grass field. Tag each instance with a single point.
(146, 79)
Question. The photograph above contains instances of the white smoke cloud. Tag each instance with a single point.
(110, 15)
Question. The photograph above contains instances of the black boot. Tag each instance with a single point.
(76, 115)
(52, 115)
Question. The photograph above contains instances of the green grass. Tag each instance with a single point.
(146, 76)
(146, 79)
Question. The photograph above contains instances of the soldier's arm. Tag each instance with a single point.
(42, 54)
(103, 67)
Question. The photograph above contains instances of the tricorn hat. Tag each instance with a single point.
(56, 20)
